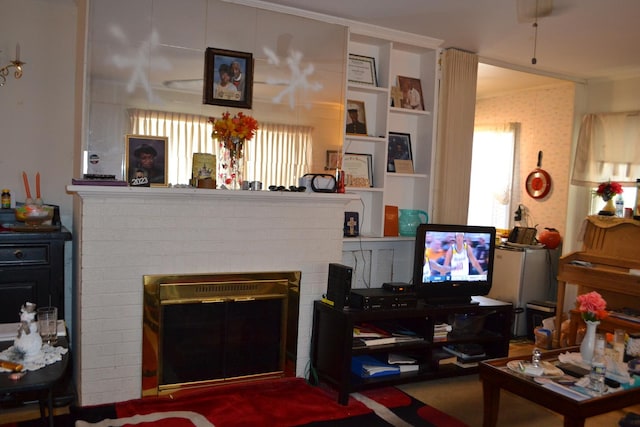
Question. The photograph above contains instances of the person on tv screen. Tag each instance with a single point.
(458, 257)
(481, 251)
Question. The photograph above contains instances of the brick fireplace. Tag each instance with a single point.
(122, 234)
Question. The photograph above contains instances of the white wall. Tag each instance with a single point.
(37, 111)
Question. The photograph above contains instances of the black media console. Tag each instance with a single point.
(333, 345)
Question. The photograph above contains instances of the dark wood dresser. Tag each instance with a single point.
(31, 266)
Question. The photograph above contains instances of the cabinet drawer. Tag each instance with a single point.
(37, 254)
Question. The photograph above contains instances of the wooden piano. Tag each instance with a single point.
(611, 247)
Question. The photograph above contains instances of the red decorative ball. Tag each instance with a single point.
(550, 237)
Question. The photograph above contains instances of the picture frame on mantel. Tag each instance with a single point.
(228, 78)
(146, 161)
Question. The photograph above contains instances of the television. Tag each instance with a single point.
(452, 263)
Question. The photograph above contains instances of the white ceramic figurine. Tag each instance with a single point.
(28, 340)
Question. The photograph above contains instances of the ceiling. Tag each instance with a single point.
(579, 40)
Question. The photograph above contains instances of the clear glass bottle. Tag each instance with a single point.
(598, 367)
(619, 206)
(536, 356)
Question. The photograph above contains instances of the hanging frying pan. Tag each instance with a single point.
(538, 182)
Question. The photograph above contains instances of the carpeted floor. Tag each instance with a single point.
(285, 402)
(461, 397)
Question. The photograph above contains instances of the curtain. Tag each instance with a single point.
(608, 148)
(277, 155)
(455, 136)
(492, 171)
(187, 134)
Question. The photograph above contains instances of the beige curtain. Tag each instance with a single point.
(279, 154)
(455, 136)
(608, 149)
(187, 134)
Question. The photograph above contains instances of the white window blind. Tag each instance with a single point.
(608, 148)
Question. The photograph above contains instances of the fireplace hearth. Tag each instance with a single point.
(207, 329)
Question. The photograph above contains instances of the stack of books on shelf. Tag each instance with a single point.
(368, 334)
(468, 355)
(441, 332)
(367, 366)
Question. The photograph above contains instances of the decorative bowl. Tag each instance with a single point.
(33, 214)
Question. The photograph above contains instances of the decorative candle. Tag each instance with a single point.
(17, 52)
(38, 185)
(26, 184)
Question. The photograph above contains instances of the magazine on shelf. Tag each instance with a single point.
(381, 334)
(467, 352)
(368, 366)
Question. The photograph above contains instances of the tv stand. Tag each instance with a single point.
(450, 302)
(332, 344)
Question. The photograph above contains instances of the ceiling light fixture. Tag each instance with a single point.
(531, 11)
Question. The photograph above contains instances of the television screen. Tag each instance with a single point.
(453, 262)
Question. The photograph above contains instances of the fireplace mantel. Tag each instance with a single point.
(124, 233)
(182, 192)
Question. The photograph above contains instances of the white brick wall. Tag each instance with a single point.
(125, 233)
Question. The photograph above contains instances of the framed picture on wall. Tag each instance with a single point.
(333, 160)
(146, 162)
(362, 70)
(411, 93)
(228, 78)
(356, 122)
(358, 169)
(398, 151)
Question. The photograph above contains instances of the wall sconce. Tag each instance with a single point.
(16, 63)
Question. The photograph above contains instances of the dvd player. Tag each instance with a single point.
(380, 299)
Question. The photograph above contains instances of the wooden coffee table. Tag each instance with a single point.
(495, 375)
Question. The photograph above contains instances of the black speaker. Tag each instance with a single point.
(339, 285)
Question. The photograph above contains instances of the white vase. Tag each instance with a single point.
(589, 341)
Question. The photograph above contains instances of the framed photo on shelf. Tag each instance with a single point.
(333, 160)
(356, 121)
(411, 93)
(362, 70)
(399, 153)
(228, 78)
(358, 170)
(146, 162)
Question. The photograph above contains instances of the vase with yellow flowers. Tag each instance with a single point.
(232, 134)
(608, 190)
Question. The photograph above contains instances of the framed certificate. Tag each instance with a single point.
(362, 70)
(358, 170)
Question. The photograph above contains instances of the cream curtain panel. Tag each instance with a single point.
(277, 155)
(455, 136)
(608, 148)
(187, 134)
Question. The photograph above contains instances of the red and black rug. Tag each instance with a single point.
(287, 402)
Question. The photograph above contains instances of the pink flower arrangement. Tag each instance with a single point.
(592, 306)
(608, 189)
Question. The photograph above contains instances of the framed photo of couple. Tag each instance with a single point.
(228, 78)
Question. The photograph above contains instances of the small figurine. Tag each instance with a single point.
(28, 342)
